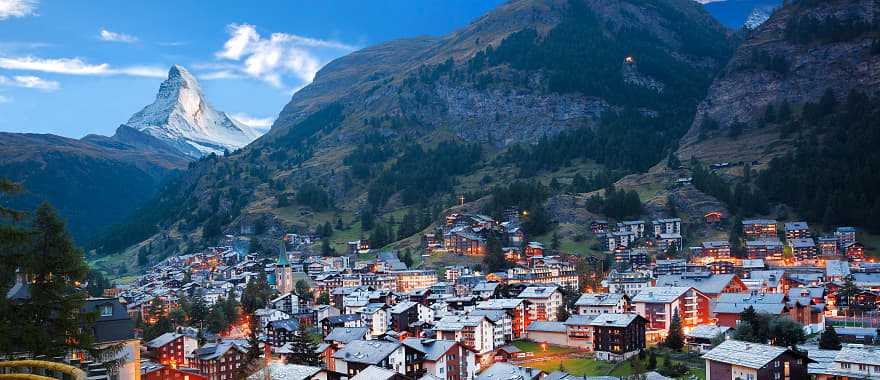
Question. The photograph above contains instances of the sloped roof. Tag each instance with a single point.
(507, 371)
(746, 354)
(707, 331)
(163, 339)
(705, 282)
(432, 348)
(366, 351)
(374, 373)
(660, 294)
(544, 326)
(614, 319)
(346, 334)
(599, 299)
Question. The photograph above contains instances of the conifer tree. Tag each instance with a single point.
(304, 349)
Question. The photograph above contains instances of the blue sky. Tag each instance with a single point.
(73, 68)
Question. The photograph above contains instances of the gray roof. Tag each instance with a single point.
(432, 348)
(279, 371)
(802, 243)
(544, 326)
(866, 279)
(614, 319)
(538, 291)
(492, 315)
(759, 221)
(163, 339)
(860, 356)
(660, 294)
(793, 226)
(366, 351)
(402, 307)
(764, 242)
(599, 299)
(705, 282)
(507, 371)
(285, 324)
(500, 303)
(579, 320)
(707, 331)
(346, 334)
(746, 354)
(771, 303)
(374, 373)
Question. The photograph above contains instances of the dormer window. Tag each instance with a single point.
(106, 310)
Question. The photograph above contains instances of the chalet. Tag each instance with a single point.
(797, 230)
(409, 280)
(716, 249)
(671, 266)
(473, 331)
(281, 371)
(845, 235)
(629, 258)
(721, 267)
(666, 226)
(701, 338)
(804, 308)
(555, 333)
(759, 229)
(728, 307)
(772, 281)
(342, 320)
(534, 248)
(665, 242)
(375, 317)
(712, 285)
(629, 283)
(851, 362)
(516, 308)
(802, 248)
(463, 241)
(502, 324)
(443, 359)
(828, 246)
(764, 249)
(287, 303)
(618, 336)
(733, 359)
(579, 331)
(658, 305)
(220, 360)
(619, 239)
(357, 355)
(172, 349)
(855, 252)
(602, 303)
(278, 333)
(543, 302)
(406, 313)
(155, 371)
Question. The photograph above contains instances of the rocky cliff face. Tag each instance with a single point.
(781, 62)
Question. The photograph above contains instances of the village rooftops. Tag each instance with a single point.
(614, 319)
(764, 243)
(599, 299)
(716, 244)
(500, 303)
(705, 282)
(506, 371)
(432, 348)
(544, 326)
(213, 351)
(486, 287)
(579, 320)
(492, 315)
(402, 307)
(802, 243)
(538, 292)
(758, 221)
(366, 351)
(458, 322)
(796, 226)
(279, 371)
(346, 335)
(375, 373)
(163, 339)
(866, 280)
(660, 294)
(771, 303)
(342, 318)
(707, 331)
(745, 354)
(753, 263)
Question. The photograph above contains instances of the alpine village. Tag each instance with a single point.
(558, 190)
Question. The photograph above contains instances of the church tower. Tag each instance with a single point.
(283, 274)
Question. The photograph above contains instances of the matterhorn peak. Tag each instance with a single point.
(181, 117)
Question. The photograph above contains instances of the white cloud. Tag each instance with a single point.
(270, 59)
(221, 74)
(29, 81)
(75, 66)
(109, 36)
(17, 8)
(260, 124)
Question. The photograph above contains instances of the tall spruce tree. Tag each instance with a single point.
(304, 349)
(829, 339)
(675, 339)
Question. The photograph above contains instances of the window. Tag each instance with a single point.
(106, 310)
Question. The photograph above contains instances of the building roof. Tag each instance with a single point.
(759, 221)
(402, 307)
(492, 315)
(500, 303)
(705, 282)
(599, 299)
(579, 320)
(794, 226)
(163, 339)
(802, 243)
(851, 354)
(538, 291)
(614, 319)
(706, 331)
(507, 371)
(374, 373)
(213, 351)
(346, 334)
(291, 324)
(366, 351)
(279, 371)
(660, 294)
(342, 318)
(745, 354)
(544, 326)
(764, 243)
(432, 348)
(771, 303)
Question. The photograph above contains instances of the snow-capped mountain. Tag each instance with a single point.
(182, 118)
(755, 19)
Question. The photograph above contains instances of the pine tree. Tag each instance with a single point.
(554, 241)
(675, 339)
(829, 340)
(304, 349)
(494, 260)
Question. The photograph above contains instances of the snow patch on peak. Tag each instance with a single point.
(181, 117)
(756, 18)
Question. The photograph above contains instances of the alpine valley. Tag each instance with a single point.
(571, 110)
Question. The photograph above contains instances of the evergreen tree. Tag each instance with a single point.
(303, 290)
(256, 294)
(675, 339)
(304, 349)
(494, 260)
(324, 298)
(554, 241)
(829, 340)
(785, 332)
